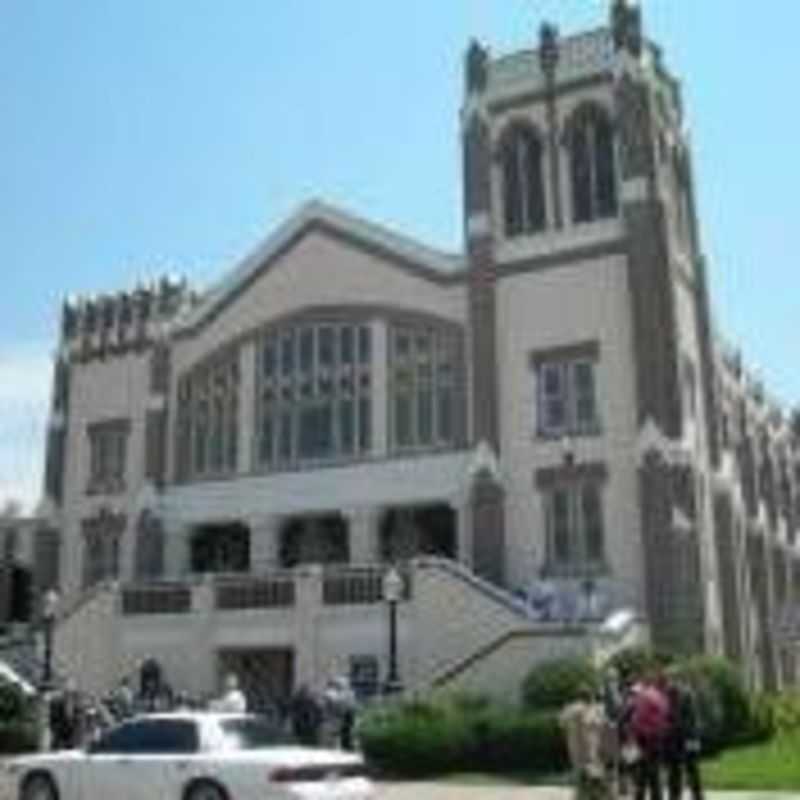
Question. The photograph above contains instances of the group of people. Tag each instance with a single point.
(326, 717)
(314, 718)
(638, 732)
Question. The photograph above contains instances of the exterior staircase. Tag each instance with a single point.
(456, 630)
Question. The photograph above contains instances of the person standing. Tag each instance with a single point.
(682, 745)
(649, 723)
(584, 722)
(340, 704)
(306, 717)
(67, 718)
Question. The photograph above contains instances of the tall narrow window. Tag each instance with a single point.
(575, 529)
(590, 141)
(107, 456)
(318, 408)
(423, 368)
(207, 422)
(566, 390)
(523, 181)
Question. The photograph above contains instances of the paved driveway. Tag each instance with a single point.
(453, 791)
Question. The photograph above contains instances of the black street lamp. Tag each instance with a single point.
(392, 592)
(49, 611)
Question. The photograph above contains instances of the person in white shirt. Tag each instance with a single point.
(233, 699)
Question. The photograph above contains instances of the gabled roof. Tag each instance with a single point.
(400, 251)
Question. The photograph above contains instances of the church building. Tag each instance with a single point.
(539, 432)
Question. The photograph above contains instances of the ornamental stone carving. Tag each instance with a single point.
(477, 68)
(626, 27)
(634, 123)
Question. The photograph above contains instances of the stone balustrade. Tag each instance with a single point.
(279, 589)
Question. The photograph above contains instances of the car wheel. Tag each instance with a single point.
(38, 787)
(205, 790)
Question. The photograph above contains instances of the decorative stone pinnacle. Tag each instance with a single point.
(548, 48)
(626, 26)
(477, 73)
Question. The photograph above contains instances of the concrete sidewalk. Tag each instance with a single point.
(455, 791)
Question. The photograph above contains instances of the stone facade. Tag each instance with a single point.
(554, 395)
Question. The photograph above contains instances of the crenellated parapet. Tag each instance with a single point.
(98, 327)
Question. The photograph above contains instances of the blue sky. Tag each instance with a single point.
(143, 137)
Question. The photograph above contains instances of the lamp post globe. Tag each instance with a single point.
(392, 593)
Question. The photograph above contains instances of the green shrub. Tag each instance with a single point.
(416, 740)
(18, 727)
(776, 714)
(516, 741)
(633, 663)
(15, 705)
(460, 733)
(552, 684)
(726, 710)
(18, 737)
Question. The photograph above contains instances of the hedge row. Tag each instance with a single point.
(445, 736)
(18, 729)
(450, 735)
(18, 737)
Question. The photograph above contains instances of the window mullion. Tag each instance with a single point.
(571, 391)
(523, 184)
(593, 170)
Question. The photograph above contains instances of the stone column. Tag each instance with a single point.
(265, 531)
(487, 514)
(176, 552)
(364, 534)
(463, 523)
(380, 388)
(308, 604)
(248, 419)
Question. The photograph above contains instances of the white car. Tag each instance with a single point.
(190, 756)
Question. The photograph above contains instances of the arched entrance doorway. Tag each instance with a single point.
(410, 531)
(314, 540)
(223, 547)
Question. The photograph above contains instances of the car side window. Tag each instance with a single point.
(150, 737)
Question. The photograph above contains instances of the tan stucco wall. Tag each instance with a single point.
(563, 306)
(320, 271)
(102, 390)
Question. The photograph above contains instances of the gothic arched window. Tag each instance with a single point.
(590, 142)
(523, 181)
(149, 561)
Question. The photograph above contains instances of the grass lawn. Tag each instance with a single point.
(769, 766)
(773, 765)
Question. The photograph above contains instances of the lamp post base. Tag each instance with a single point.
(393, 686)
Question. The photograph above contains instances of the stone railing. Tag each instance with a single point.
(236, 594)
(343, 586)
(157, 598)
(279, 589)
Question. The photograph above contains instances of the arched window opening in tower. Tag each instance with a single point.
(590, 143)
(523, 181)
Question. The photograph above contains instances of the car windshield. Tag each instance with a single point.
(250, 733)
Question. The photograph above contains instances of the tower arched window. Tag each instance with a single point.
(524, 206)
(590, 143)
